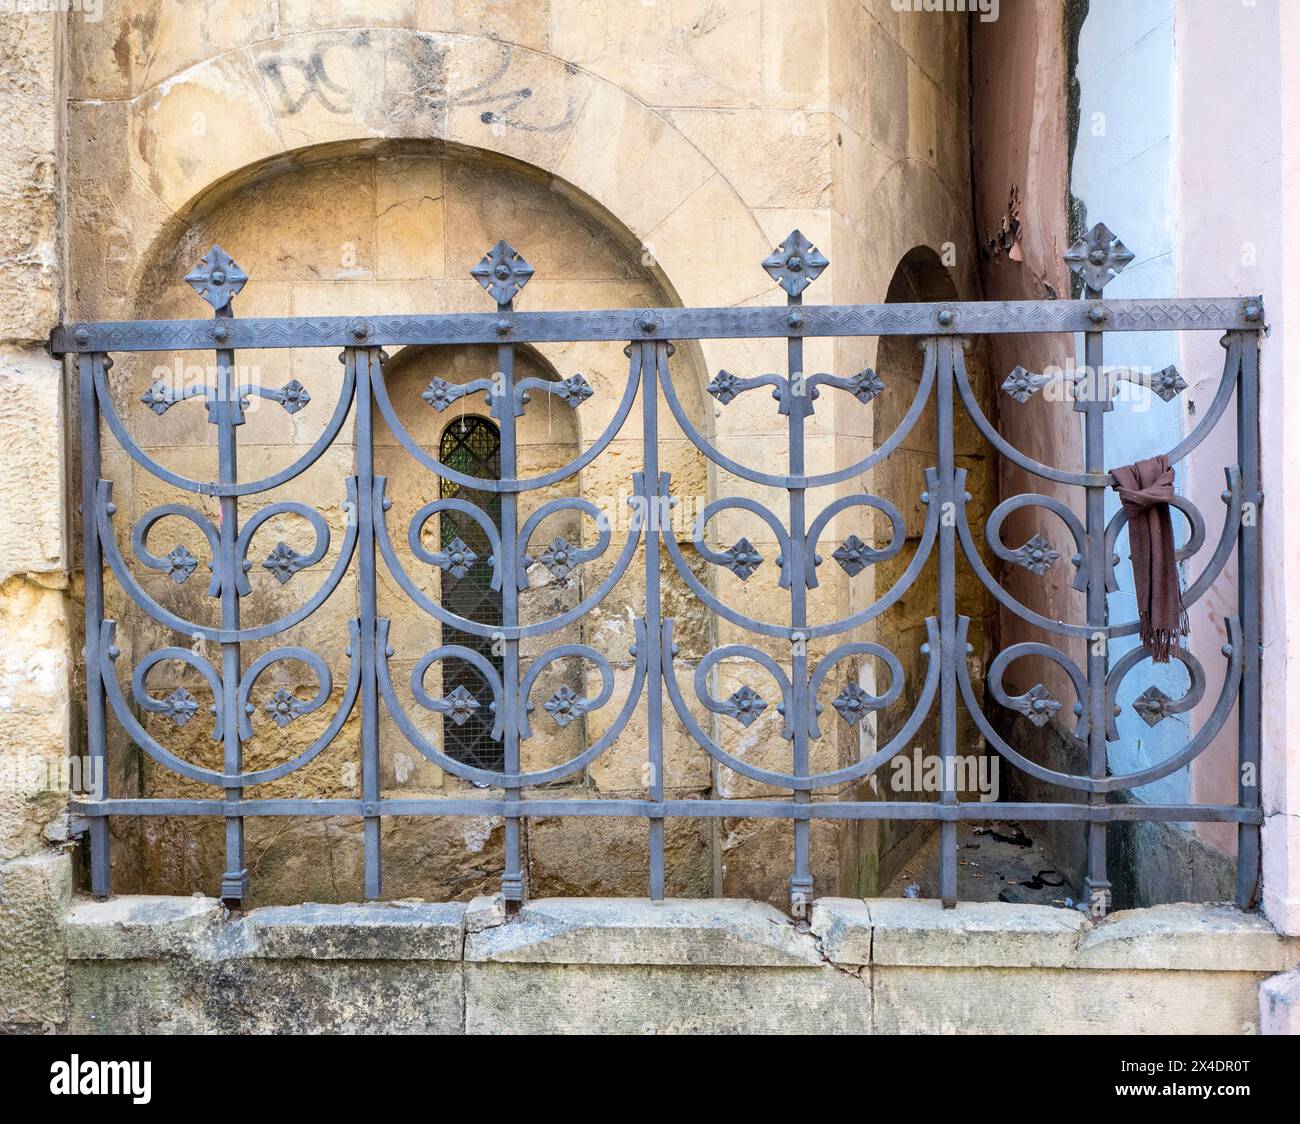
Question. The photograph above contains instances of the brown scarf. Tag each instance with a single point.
(1145, 490)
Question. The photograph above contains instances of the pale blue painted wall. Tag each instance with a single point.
(1123, 173)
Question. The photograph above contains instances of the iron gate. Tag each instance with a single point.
(504, 685)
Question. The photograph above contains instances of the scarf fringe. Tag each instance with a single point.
(1160, 643)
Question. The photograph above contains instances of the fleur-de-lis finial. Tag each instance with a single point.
(795, 264)
(217, 278)
(502, 272)
(1098, 257)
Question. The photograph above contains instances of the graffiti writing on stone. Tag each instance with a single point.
(296, 81)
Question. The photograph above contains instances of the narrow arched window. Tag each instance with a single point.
(471, 445)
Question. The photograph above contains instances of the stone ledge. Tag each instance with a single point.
(626, 931)
(1213, 938)
(884, 932)
(146, 928)
(138, 927)
(376, 931)
(920, 933)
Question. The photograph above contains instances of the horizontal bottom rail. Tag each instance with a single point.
(688, 809)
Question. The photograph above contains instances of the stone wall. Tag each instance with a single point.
(38, 636)
(180, 965)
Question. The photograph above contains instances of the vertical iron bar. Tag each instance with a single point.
(93, 576)
(655, 515)
(1096, 885)
(512, 878)
(800, 403)
(229, 414)
(362, 362)
(948, 653)
(1248, 600)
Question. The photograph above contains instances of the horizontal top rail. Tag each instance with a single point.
(953, 318)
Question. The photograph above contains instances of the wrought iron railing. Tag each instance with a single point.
(506, 683)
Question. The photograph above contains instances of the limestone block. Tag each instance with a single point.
(587, 855)
(139, 927)
(32, 57)
(484, 912)
(525, 22)
(572, 998)
(398, 930)
(212, 98)
(34, 892)
(684, 52)
(842, 927)
(410, 212)
(33, 522)
(1187, 937)
(550, 227)
(623, 767)
(326, 217)
(937, 44)
(700, 242)
(324, 85)
(215, 994)
(629, 931)
(867, 69)
(448, 858)
(758, 858)
(929, 1000)
(1279, 1004)
(135, 46)
(784, 162)
(792, 76)
(515, 102)
(921, 932)
(35, 714)
(313, 15)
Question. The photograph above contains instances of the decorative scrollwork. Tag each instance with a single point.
(561, 557)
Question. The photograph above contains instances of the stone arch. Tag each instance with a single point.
(920, 275)
(585, 258)
(196, 137)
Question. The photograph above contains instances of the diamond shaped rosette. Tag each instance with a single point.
(217, 278)
(795, 264)
(503, 272)
(1098, 257)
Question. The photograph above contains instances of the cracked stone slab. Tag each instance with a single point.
(719, 933)
(919, 932)
(843, 927)
(1214, 938)
(140, 927)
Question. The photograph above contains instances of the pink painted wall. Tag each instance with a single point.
(1020, 143)
(1237, 161)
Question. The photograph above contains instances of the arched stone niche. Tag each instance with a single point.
(385, 230)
